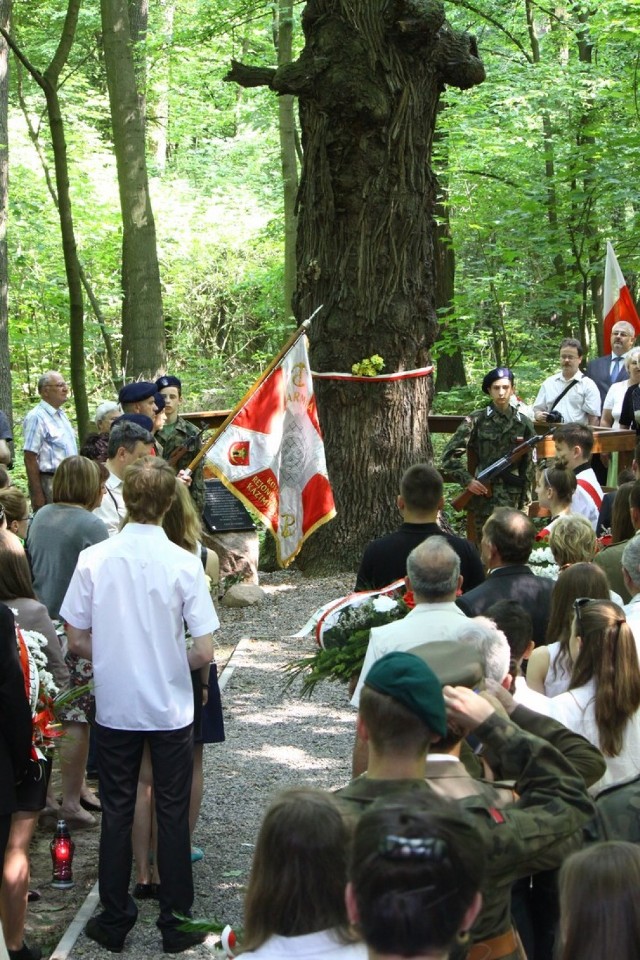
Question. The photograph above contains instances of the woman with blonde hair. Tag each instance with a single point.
(603, 700)
(57, 534)
(600, 903)
(572, 540)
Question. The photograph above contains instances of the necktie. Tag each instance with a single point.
(615, 368)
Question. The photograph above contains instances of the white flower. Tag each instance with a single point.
(382, 604)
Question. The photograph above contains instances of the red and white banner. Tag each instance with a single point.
(271, 455)
(618, 304)
(380, 377)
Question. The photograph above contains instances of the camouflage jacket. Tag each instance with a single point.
(534, 834)
(617, 813)
(174, 435)
(488, 435)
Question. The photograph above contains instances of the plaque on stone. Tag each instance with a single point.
(222, 511)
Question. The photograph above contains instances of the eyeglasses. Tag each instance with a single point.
(578, 604)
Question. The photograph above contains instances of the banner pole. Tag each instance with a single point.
(295, 336)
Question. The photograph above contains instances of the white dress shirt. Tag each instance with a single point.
(582, 401)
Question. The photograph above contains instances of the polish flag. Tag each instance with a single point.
(271, 455)
(618, 304)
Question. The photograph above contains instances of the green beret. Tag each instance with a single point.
(455, 664)
(412, 683)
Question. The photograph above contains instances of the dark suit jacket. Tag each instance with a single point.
(514, 582)
(598, 370)
(15, 714)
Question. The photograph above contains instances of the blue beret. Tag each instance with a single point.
(168, 381)
(139, 418)
(160, 402)
(498, 374)
(140, 390)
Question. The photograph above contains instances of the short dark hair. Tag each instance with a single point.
(413, 904)
(572, 342)
(511, 533)
(391, 726)
(575, 435)
(516, 624)
(127, 434)
(421, 487)
(148, 489)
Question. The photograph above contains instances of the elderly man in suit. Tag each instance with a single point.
(605, 371)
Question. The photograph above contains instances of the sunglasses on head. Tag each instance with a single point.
(578, 604)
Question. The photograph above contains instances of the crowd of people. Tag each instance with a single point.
(496, 758)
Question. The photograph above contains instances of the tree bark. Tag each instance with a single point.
(143, 338)
(5, 364)
(368, 82)
(288, 155)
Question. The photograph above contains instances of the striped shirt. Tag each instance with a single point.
(49, 434)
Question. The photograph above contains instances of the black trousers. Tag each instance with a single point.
(119, 754)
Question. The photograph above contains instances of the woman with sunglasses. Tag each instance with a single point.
(603, 700)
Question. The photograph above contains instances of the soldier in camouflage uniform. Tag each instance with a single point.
(402, 709)
(484, 437)
(176, 433)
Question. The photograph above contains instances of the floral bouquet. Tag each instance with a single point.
(542, 561)
(341, 628)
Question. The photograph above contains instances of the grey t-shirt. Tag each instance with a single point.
(57, 534)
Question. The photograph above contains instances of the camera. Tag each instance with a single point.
(554, 416)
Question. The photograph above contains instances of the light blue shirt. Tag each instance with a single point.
(49, 434)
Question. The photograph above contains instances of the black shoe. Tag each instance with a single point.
(95, 931)
(146, 891)
(25, 953)
(175, 941)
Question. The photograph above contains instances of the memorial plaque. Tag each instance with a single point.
(222, 511)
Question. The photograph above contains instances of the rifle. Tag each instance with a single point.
(499, 466)
(189, 446)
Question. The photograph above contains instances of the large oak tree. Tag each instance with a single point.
(368, 82)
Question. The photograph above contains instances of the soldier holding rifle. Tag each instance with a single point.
(480, 440)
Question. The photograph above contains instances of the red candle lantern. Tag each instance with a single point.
(62, 847)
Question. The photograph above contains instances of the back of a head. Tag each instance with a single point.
(299, 869)
(148, 489)
(561, 479)
(631, 560)
(14, 502)
(77, 480)
(621, 525)
(126, 434)
(5, 477)
(416, 866)
(607, 656)
(578, 580)
(575, 435)
(600, 903)
(181, 523)
(511, 534)
(515, 622)
(572, 540)
(433, 567)
(491, 646)
(15, 575)
(421, 488)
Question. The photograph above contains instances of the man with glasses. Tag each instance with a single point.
(48, 437)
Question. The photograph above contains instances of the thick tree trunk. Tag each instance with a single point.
(368, 82)
(5, 364)
(288, 155)
(143, 341)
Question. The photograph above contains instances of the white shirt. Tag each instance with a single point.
(424, 624)
(529, 698)
(613, 401)
(135, 592)
(632, 613)
(587, 499)
(576, 710)
(112, 509)
(581, 401)
(322, 945)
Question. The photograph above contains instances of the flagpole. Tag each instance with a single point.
(295, 336)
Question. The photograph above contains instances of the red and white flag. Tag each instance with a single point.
(618, 304)
(271, 454)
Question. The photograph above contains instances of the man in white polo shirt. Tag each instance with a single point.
(569, 393)
(126, 608)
